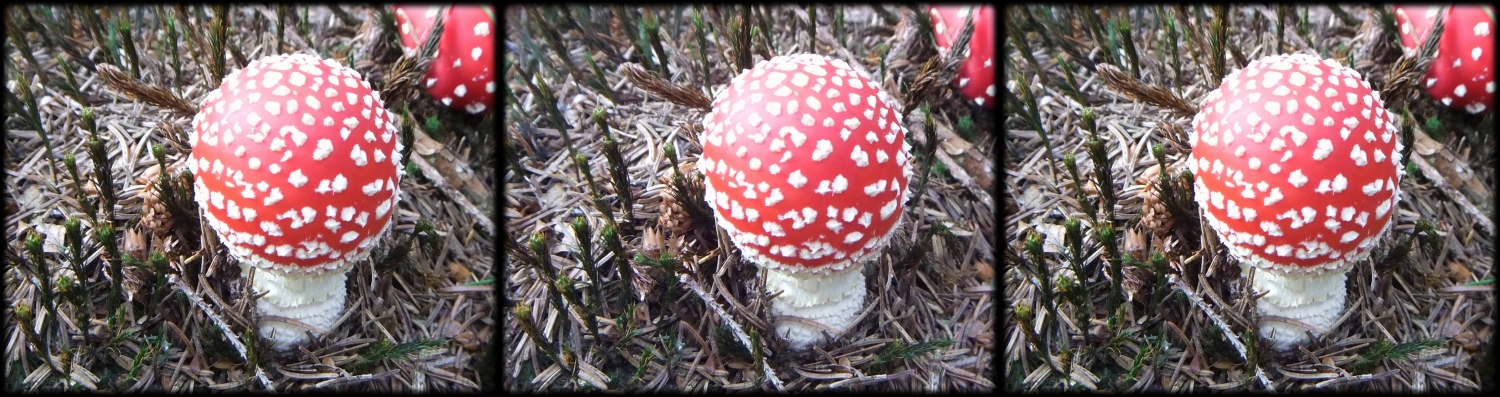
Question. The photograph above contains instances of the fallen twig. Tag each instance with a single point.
(1223, 327)
(223, 327)
(436, 177)
(733, 326)
(118, 81)
(1458, 197)
(674, 93)
(1119, 82)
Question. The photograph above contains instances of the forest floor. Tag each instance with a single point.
(419, 312)
(1419, 312)
(676, 325)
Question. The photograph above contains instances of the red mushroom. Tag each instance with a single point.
(463, 70)
(296, 163)
(976, 77)
(1462, 73)
(806, 166)
(1297, 164)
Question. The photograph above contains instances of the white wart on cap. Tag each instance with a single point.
(806, 167)
(1296, 165)
(296, 165)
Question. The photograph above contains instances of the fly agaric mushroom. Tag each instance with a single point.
(976, 77)
(1296, 163)
(296, 163)
(805, 164)
(1462, 73)
(462, 71)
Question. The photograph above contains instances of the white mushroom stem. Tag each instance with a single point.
(315, 299)
(833, 299)
(1315, 299)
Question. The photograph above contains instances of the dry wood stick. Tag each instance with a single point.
(223, 327)
(733, 326)
(1223, 327)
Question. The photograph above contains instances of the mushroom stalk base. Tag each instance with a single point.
(1313, 299)
(833, 299)
(313, 299)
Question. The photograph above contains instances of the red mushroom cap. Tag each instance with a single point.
(1296, 163)
(462, 72)
(805, 162)
(976, 77)
(1462, 73)
(296, 163)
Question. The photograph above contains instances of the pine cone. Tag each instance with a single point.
(1155, 217)
(673, 220)
(155, 218)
